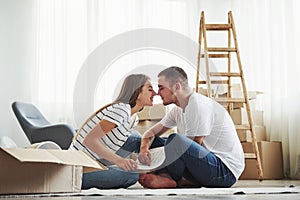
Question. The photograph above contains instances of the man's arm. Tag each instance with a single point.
(144, 155)
(199, 139)
(155, 130)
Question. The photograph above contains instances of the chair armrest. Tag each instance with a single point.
(61, 134)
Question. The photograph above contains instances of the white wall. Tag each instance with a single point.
(16, 58)
(17, 25)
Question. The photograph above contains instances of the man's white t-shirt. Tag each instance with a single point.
(205, 117)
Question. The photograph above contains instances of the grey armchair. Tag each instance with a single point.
(37, 128)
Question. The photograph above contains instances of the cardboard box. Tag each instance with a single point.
(147, 124)
(144, 125)
(239, 116)
(222, 90)
(24, 171)
(251, 94)
(203, 91)
(260, 132)
(271, 158)
(236, 92)
(155, 112)
(237, 105)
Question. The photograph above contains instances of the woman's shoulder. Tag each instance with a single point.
(120, 105)
(120, 108)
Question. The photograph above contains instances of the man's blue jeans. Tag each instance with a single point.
(188, 159)
(115, 177)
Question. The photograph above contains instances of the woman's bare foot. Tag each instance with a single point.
(157, 181)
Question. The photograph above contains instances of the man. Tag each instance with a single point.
(206, 152)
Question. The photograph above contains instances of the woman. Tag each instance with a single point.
(108, 135)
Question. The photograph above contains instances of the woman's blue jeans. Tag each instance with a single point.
(115, 177)
(188, 159)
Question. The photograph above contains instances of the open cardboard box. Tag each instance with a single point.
(32, 171)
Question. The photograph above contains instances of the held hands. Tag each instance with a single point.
(127, 164)
(145, 157)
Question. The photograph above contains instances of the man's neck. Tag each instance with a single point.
(183, 98)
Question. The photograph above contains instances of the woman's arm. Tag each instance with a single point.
(92, 141)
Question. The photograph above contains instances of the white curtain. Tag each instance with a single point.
(69, 30)
(61, 47)
(269, 46)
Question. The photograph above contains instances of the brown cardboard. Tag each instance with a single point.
(236, 92)
(260, 133)
(245, 135)
(145, 125)
(202, 91)
(239, 116)
(155, 112)
(271, 158)
(251, 94)
(24, 171)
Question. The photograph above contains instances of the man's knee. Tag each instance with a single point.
(174, 137)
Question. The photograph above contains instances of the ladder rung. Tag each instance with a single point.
(217, 27)
(242, 127)
(214, 55)
(230, 100)
(227, 74)
(250, 155)
(221, 49)
(215, 82)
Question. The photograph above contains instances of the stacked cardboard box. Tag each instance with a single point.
(239, 117)
(270, 152)
(271, 160)
(151, 115)
(239, 114)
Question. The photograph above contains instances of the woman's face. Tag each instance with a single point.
(145, 98)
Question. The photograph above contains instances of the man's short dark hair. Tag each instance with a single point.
(174, 74)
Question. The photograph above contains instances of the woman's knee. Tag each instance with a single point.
(112, 178)
(130, 180)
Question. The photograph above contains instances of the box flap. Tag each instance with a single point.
(71, 157)
(33, 155)
(66, 157)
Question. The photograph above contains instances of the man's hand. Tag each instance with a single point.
(145, 157)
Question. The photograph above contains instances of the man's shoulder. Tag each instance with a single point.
(199, 99)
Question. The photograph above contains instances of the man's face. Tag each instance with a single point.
(165, 92)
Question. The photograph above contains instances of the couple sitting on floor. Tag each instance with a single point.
(206, 151)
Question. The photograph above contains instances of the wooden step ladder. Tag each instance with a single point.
(226, 77)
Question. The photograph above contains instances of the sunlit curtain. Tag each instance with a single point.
(61, 47)
(269, 41)
(69, 30)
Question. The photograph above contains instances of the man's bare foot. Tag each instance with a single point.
(157, 181)
(184, 183)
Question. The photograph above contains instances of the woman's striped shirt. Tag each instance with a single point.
(118, 114)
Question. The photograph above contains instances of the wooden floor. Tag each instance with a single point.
(243, 189)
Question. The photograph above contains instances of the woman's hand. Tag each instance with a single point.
(127, 164)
